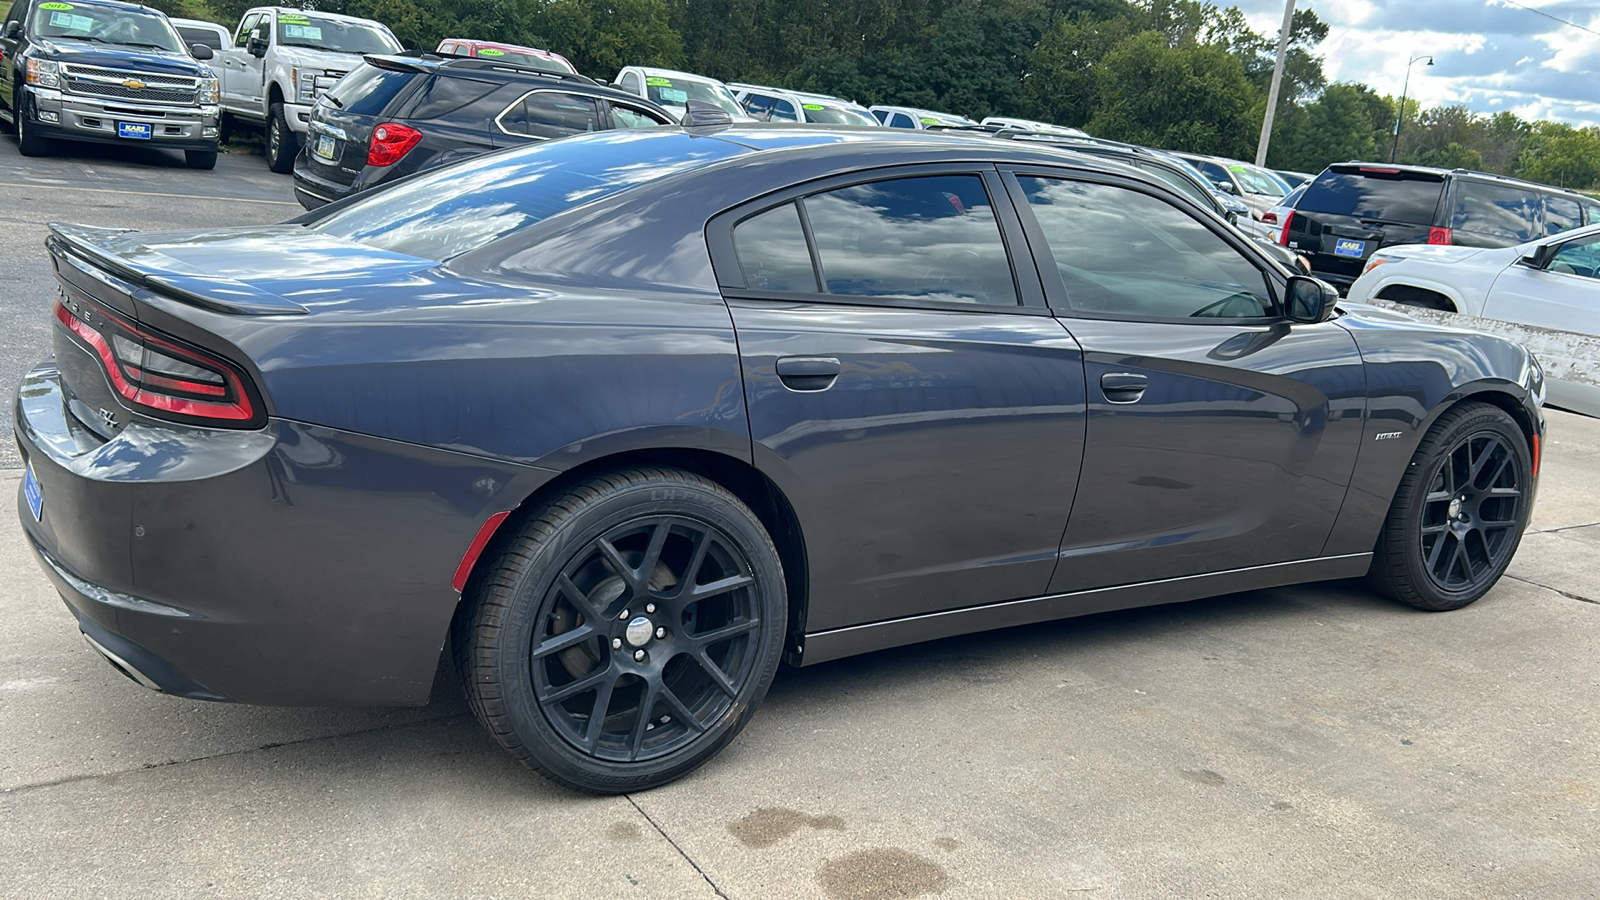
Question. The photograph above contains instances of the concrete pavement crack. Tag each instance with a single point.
(686, 857)
(1568, 594)
(73, 779)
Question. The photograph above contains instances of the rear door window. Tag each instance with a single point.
(552, 114)
(758, 105)
(784, 111)
(1409, 198)
(629, 82)
(901, 120)
(1498, 211)
(772, 252)
(923, 238)
(1591, 213)
(367, 90)
(1561, 214)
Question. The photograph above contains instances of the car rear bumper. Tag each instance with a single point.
(295, 565)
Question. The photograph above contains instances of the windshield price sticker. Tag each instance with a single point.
(813, 106)
(671, 96)
(487, 52)
(55, 6)
(658, 82)
(304, 32)
(929, 121)
(70, 21)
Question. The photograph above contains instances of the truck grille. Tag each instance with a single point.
(119, 84)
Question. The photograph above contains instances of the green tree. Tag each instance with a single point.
(1191, 97)
(602, 36)
(1559, 154)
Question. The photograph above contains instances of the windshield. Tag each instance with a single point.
(465, 206)
(837, 115)
(106, 25)
(306, 30)
(676, 92)
(1258, 181)
(531, 60)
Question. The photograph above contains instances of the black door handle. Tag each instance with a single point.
(808, 373)
(1123, 387)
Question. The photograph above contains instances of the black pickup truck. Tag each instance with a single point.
(106, 72)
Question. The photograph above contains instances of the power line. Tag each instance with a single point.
(1552, 18)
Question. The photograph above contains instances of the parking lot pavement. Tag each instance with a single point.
(1307, 742)
(128, 187)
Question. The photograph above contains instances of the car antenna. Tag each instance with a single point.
(700, 114)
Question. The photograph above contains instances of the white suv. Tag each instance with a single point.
(770, 104)
(673, 90)
(920, 119)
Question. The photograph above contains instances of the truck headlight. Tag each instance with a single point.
(210, 91)
(44, 72)
(305, 85)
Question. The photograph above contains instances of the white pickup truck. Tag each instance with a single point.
(281, 61)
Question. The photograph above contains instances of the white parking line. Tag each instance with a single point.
(69, 187)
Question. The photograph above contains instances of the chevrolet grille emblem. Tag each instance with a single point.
(133, 84)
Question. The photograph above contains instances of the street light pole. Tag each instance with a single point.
(1277, 81)
(1394, 151)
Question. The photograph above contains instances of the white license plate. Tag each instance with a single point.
(138, 131)
(325, 146)
(1347, 247)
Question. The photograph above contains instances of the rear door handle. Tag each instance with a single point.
(808, 373)
(1123, 387)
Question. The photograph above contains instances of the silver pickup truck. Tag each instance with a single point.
(282, 60)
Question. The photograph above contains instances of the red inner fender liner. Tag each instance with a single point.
(470, 558)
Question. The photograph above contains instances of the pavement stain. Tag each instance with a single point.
(1203, 776)
(624, 831)
(947, 844)
(771, 824)
(881, 873)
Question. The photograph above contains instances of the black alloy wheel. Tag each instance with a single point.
(1459, 513)
(622, 639)
(1471, 513)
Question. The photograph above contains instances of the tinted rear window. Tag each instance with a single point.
(1407, 197)
(444, 94)
(367, 90)
(463, 207)
(206, 36)
(1499, 211)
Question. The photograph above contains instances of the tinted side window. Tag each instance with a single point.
(624, 116)
(445, 94)
(1498, 211)
(880, 115)
(758, 106)
(925, 238)
(367, 90)
(204, 36)
(245, 27)
(1561, 214)
(1578, 258)
(1403, 198)
(552, 114)
(1214, 171)
(772, 252)
(783, 111)
(630, 83)
(1591, 213)
(901, 120)
(1124, 253)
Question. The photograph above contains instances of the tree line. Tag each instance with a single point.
(1178, 74)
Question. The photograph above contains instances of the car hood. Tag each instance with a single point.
(112, 56)
(1440, 253)
(323, 59)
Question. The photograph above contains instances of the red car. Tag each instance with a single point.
(511, 53)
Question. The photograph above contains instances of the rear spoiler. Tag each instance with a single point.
(82, 246)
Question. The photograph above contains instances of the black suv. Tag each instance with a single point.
(1354, 208)
(394, 116)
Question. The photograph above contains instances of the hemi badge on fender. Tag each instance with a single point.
(1387, 435)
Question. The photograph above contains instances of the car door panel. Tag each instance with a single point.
(1211, 443)
(977, 419)
(1565, 301)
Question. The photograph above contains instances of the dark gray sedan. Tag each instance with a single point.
(617, 423)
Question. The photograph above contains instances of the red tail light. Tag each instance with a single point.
(390, 143)
(1269, 217)
(158, 375)
(1283, 236)
(1438, 235)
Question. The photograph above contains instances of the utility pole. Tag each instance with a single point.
(1277, 81)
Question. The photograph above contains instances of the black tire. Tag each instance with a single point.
(29, 141)
(1459, 512)
(660, 680)
(200, 159)
(282, 143)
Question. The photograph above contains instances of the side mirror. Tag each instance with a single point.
(1227, 187)
(1541, 256)
(257, 45)
(1310, 300)
(13, 30)
(200, 51)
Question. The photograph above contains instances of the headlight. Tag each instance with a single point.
(44, 72)
(305, 85)
(210, 91)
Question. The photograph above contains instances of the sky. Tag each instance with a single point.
(1488, 54)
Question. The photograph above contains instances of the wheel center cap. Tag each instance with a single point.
(638, 631)
(1455, 513)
